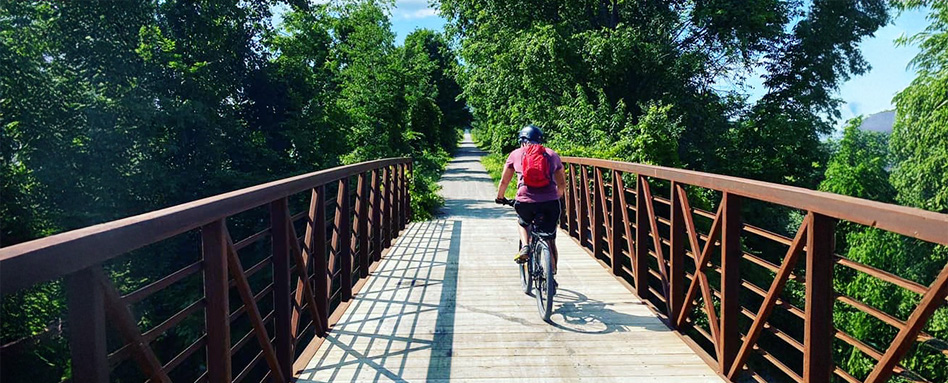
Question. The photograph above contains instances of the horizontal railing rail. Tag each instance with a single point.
(305, 268)
(732, 289)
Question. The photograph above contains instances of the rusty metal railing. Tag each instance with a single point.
(687, 263)
(312, 278)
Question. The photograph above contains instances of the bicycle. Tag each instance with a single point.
(536, 274)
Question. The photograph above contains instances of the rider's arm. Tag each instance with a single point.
(560, 178)
(504, 181)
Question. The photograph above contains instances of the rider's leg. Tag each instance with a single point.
(554, 253)
(524, 236)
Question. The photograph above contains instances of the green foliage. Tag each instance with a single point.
(859, 166)
(427, 168)
(111, 109)
(920, 135)
(494, 163)
(589, 71)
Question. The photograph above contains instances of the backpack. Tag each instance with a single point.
(536, 166)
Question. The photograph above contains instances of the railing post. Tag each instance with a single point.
(320, 259)
(86, 304)
(362, 226)
(403, 172)
(343, 236)
(615, 242)
(282, 308)
(376, 217)
(676, 289)
(396, 202)
(598, 206)
(409, 178)
(639, 259)
(217, 296)
(583, 207)
(818, 331)
(571, 197)
(387, 210)
(731, 255)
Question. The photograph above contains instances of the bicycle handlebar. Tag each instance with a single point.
(504, 201)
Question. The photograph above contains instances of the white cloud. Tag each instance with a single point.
(420, 13)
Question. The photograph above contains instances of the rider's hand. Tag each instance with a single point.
(500, 200)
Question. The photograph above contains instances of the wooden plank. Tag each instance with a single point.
(285, 339)
(216, 293)
(85, 301)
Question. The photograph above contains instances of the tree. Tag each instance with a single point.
(859, 166)
(529, 61)
(920, 134)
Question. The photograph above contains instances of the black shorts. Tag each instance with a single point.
(545, 216)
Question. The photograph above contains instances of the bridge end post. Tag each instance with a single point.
(731, 255)
(216, 293)
(86, 303)
(818, 329)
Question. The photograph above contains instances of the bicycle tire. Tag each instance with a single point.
(543, 279)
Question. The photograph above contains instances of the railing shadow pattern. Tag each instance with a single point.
(693, 262)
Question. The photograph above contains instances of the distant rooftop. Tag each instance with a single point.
(879, 122)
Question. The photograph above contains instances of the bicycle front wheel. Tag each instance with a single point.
(543, 279)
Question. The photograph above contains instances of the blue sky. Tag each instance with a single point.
(409, 15)
(862, 95)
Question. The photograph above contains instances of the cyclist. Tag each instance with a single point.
(541, 183)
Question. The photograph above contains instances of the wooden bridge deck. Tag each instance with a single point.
(445, 304)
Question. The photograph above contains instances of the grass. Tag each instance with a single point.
(495, 167)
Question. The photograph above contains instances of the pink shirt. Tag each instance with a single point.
(532, 195)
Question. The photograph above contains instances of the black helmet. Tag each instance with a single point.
(531, 133)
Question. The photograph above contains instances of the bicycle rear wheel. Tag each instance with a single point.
(542, 261)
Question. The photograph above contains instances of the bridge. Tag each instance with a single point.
(323, 277)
